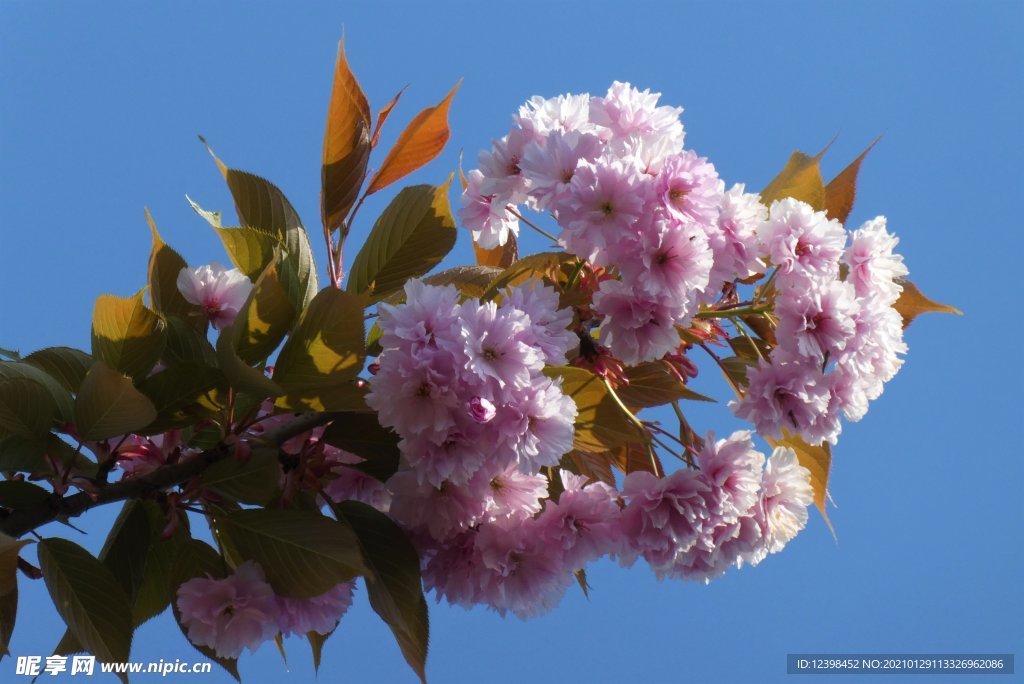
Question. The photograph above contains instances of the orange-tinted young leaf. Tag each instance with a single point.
(502, 257)
(818, 460)
(630, 458)
(841, 191)
(346, 144)
(597, 467)
(382, 116)
(801, 180)
(422, 140)
(912, 303)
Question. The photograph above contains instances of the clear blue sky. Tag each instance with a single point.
(100, 104)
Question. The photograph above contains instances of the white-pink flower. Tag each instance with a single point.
(218, 291)
(786, 494)
(487, 216)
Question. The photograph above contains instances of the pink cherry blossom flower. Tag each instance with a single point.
(665, 515)
(788, 395)
(733, 467)
(561, 114)
(481, 409)
(487, 216)
(786, 494)
(625, 111)
(229, 614)
(219, 292)
(539, 424)
(518, 573)
(512, 492)
(636, 327)
(688, 187)
(603, 202)
(801, 242)
(734, 239)
(318, 614)
(442, 511)
(672, 259)
(585, 523)
(874, 266)
(549, 165)
(548, 323)
(817, 322)
(495, 344)
(502, 176)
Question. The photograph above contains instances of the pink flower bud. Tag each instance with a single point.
(481, 409)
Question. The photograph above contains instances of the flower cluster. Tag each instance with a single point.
(838, 336)
(613, 172)
(696, 524)
(242, 610)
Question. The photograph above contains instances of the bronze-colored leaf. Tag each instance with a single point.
(346, 144)
(912, 303)
(800, 179)
(502, 257)
(841, 191)
(382, 116)
(654, 383)
(596, 467)
(421, 141)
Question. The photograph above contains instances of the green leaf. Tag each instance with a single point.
(26, 408)
(240, 375)
(9, 550)
(9, 354)
(126, 335)
(326, 348)
(34, 454)
(752, 351)
(175, 392)
(185, 344)
(346, 144)
(413, 234)
(253, 482)
(62, 401)
(8, 616)
(89, 598)
(108, 405)
(250, 249)
(601, 425)
(393, 579)
(262, 206)
(362, 435)
(654, 383)
(65, 365)
(800, 179)
(198, 559)
(265, 318)
(420, 142)
(165, 265)
(349, 396)
(17, 494)
(912, 303)
(302, 553)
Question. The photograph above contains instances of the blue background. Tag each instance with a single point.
(100, 105)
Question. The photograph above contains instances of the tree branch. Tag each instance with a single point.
(25, 520)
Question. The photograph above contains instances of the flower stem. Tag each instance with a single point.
(512, 210)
